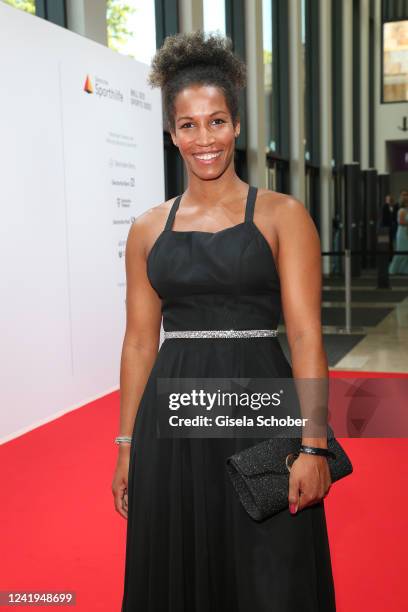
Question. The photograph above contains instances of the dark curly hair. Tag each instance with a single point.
(192, 58)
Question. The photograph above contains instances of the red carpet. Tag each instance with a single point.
(60, 532)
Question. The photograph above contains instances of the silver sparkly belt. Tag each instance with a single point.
(221, 333)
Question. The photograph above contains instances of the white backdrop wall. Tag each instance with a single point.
(76, 167)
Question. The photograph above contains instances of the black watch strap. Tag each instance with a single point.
(315, 450)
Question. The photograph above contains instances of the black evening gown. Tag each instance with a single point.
(191, 546)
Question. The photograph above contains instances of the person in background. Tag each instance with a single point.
(389, 218)
(399, 263)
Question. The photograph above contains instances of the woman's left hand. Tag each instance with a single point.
(309, 481)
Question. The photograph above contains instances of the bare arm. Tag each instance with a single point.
(142, 335)
(140, 344)
(300, 273)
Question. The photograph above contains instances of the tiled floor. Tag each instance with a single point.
(385, 346)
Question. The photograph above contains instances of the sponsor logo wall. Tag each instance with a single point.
(81, 155)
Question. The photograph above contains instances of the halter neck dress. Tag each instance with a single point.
(190, 545)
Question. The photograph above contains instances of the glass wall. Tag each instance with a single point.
(270, 141)
(214, 16)
(131, 28)
(24, 5)
(276, 84)
(311, 100)
(395, 61)
(304, 75)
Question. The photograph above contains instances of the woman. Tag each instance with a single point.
(399, 263)
(221, 256)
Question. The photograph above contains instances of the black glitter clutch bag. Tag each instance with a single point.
(260, 473)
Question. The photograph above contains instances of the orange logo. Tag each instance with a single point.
(88, 85)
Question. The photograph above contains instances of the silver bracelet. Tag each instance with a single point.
(120, 439)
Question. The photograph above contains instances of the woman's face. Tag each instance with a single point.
(204, 132)
(404, 198)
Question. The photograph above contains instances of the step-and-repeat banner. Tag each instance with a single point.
(81, 155)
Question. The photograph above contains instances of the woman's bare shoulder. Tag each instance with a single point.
(147, 225)
(154, 215)
(281, 205)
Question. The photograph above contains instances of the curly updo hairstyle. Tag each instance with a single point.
(194, 58)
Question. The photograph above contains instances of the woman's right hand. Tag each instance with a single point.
(120, 481)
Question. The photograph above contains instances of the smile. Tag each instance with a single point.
(207, 157)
